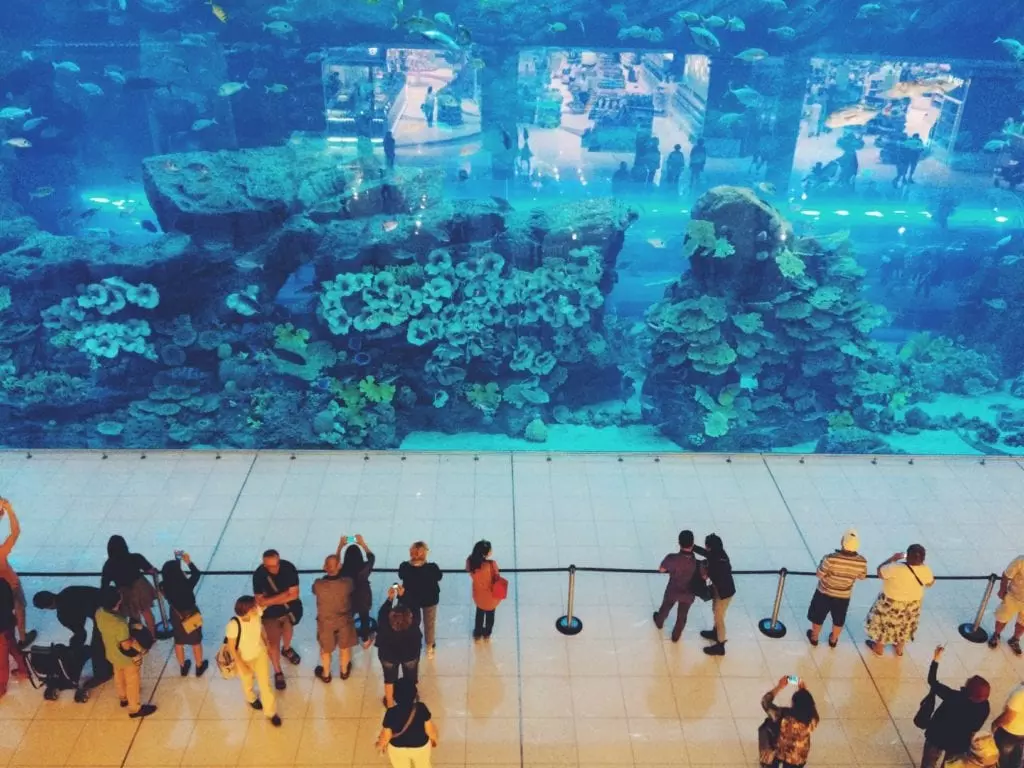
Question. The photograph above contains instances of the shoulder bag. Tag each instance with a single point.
(767, 741)
(408, 723)
(190, 623)
(293, 609)
(916, 577)
(923, 718)
(227, 657)
(699, 585)
(499, 584)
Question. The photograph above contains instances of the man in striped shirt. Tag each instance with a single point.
(837, 573)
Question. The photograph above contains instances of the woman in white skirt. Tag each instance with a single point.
(894, 617)
(407, 734)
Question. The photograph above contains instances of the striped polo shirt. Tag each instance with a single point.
(839, 571)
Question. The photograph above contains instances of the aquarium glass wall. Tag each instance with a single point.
(762, 225)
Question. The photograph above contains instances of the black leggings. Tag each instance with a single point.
(484, 623)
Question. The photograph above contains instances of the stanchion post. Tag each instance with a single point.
(973, 631)
(772, 627)
(569, 624)
(164, 629)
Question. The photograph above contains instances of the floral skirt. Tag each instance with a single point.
(892, 621)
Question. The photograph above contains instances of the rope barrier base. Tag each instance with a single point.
(567, 627)
(969, 633)
(164, 630)
(774, 631)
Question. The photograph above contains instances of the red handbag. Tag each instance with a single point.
(499, 587)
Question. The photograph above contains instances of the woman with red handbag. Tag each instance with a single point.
(489, 588)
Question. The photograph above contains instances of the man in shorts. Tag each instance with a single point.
(1011, 593)
(837, 573)
(276, 586)
(8, 574)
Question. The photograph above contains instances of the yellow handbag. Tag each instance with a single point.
(191, 623)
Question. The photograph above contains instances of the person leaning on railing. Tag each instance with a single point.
(718, 569)
(1011, 606)
(837, 573)
(894, 617)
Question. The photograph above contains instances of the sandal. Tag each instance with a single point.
(279, 681)
(319, 672)
(872, 645)
(832, 643)
(812, 639)
(345, 673)
(291, 655)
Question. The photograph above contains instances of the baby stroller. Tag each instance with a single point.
(57, 668)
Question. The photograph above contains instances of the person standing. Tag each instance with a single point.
(8, 643)
(422, 582)
(73, 606)
(335, 626)
(674, 164)
(718, 569)
(698, 159)
(621, 180)
(961, 714)
(1008, 730)
(795, 724)
(358, 568)
(484, 573)
(8, 574)
(429, 102)
(894, 617)
(245, 635)
(408, 733)
(901, 157)
(276, 587)
(117, 639)
(837, 573)
(389, 150)
(681, 567)
(1011, 605)
(914, 148)
(186, 620)
(399, 642)
(130, 572)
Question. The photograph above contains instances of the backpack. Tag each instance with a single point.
(227, 657)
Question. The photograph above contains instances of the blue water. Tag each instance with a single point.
(203, 243)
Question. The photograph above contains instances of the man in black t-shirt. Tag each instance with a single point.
(276, 587)
(74, 605)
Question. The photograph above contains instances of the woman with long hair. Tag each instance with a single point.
(408, 733)
(179, 589)
(484, 573)
(793, 724)
(399, 642)
(358, 568)
(127, 571)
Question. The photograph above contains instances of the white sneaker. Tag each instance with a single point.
(430, 652)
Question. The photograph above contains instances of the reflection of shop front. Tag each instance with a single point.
(363, 92)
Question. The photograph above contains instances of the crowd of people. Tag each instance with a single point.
(260, 635)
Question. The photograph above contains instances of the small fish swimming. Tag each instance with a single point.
(114, 73)
(389, 225)
(735, 24)
(219, 12)
(14, 113)
(247, 265)
(279, 28)
(752, 55)
(27, 56)
(870, 11)
(1004, 241)
(686, 18)
(194, 39)
(656, 283)
(783, 33)
(654, 34)
(444, 19)
(91, 88)
(315, 57)
(851, 116)
(1009, 261)
(40, 192)
(418, 23)
(437, 36)
(656, 242)
(1013, 47)
(995, 145)
(203, 124)
(279, 11)
(714, 22)
(275, 88)
(747, 96)
(776, 5)
(998, 304)
(705, 38)
(88, 213)
(19, 143)
(729, 119)
(556, 26)
(66, 66)
(765, 188)
(231, 88)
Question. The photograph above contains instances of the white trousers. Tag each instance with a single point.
(409, 757)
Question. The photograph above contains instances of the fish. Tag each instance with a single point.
(654, 34)
(1013, 47)
(437, 36)
(556, 26)
(88, 213)
(115, 74)
(91, 88)
(149, 226)
(203, 124)
(277, 11)
(747, 96)
(705, 38)
(389, 225)
(444, 19)
(27, 56)
(846, 117)
(66, 66)
(995, 145)
(735, 24)
(870, 11)
(729, 119)
(999, 304)
(418, 23)
(618, 13)
(686, 18)
(231, 88)
(40, 192)
(1009, 261)
(194, 39)
(247, 265)
(14, 113)
(783, 33)
(280, 28)
(275, 88)
(315, 57)
(752, 55)
(714, 22)
(1004, 241)
(656, 283)
(219, 12)
(656, 242)
(776, 5)
(765, 188)
(910, 89)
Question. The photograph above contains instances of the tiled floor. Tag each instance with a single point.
(619, 694)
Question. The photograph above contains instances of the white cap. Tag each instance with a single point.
(851, 541)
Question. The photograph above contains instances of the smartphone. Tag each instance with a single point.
(395, 586)
(178, 553)
(351, 539)
(793, 680)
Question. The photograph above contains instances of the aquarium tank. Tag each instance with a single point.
(711, 225)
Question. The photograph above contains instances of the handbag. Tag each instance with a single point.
(499, 586)
(190, 623)
(923, 718)
(767, 740)
(699, 585)
(227, 659)
(294, 609)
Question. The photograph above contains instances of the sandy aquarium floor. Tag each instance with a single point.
(619, 694)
